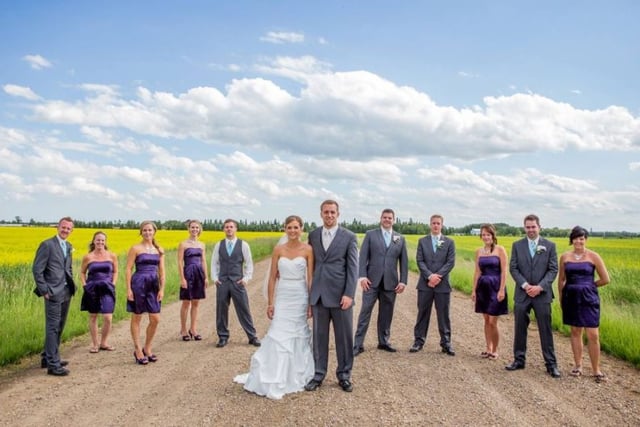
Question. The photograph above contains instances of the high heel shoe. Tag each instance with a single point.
(186, 337)
(151, 357)
(195, 337)
(142, 360)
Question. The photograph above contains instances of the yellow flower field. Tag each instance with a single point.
(18, 244)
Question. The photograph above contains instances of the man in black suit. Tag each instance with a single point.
(533, 266)
(383, 252)
(436, 256)
(54, 282)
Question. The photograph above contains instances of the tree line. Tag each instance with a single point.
(402, 226)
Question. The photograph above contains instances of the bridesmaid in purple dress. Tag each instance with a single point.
(579, 299)
(145, 290)
(192, 266)
(98, 274)
(489, 287)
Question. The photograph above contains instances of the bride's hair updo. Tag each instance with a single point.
(292, 218)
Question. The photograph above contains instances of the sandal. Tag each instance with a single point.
(151, 357)
(93, 350)
(484, 354)
(492, 356)
(576, 372)
(600, 378)
(107, 348)
(195, 337)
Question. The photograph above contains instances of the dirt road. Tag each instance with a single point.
(192, 384)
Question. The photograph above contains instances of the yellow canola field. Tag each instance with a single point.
(18, 244)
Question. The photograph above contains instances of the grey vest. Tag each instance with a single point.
(230, 265)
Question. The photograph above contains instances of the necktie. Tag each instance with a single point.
(434, 242)
(63, 245)
(532, 248)
(387, 238)
(326, 239)
(229, 247)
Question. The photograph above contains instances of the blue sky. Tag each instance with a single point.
(480, 111)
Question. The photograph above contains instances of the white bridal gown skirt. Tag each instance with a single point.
(284, 362)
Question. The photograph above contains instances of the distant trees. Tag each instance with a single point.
(402, 226)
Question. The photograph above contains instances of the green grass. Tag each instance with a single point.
(22, 313)
(620, 300)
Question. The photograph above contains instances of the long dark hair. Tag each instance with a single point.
(489, 228)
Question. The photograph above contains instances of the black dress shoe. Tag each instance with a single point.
(255, 342)
(222, 342)
(514, 366)
(43, 363)
(312, 385)
(58, 372)
(386, 347)
(358, 350)
(553, 371)
(416, 347)
(449, 351)
(346, 385)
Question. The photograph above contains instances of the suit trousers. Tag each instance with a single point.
(426, 299)
(386, 301)
(225, 293)
(343, 336)
(55, 314)
(542, 311)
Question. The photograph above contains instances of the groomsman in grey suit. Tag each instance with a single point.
(54, 282)
(533, 266)
(335, 274)
(231, 270)
(436, 256)
(383, 252)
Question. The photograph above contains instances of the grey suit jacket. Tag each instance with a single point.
(380, 264)
(539, 270)
(335, 270)
(51, 270)
(439, 262)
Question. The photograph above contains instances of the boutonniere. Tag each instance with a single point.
(395, 239)
(540, 249)
(439, 243)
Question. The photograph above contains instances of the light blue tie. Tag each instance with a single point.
(229, 247)
(532, 248)
(387, 238)
(63, 245)
(434, 242)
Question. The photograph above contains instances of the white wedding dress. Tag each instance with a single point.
(284, 362)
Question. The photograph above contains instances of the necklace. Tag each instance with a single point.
(192, 241)
(577, 256)
(486, 251)
(149, 249)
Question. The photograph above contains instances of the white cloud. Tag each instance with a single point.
(21, 92)
(634, 166)
(281, 37)
(37, 62)
(355, 113)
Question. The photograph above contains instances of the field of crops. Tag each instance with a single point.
(21, 314)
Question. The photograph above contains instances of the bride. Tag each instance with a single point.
(284, 362)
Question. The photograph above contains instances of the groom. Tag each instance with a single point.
(335, 273)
